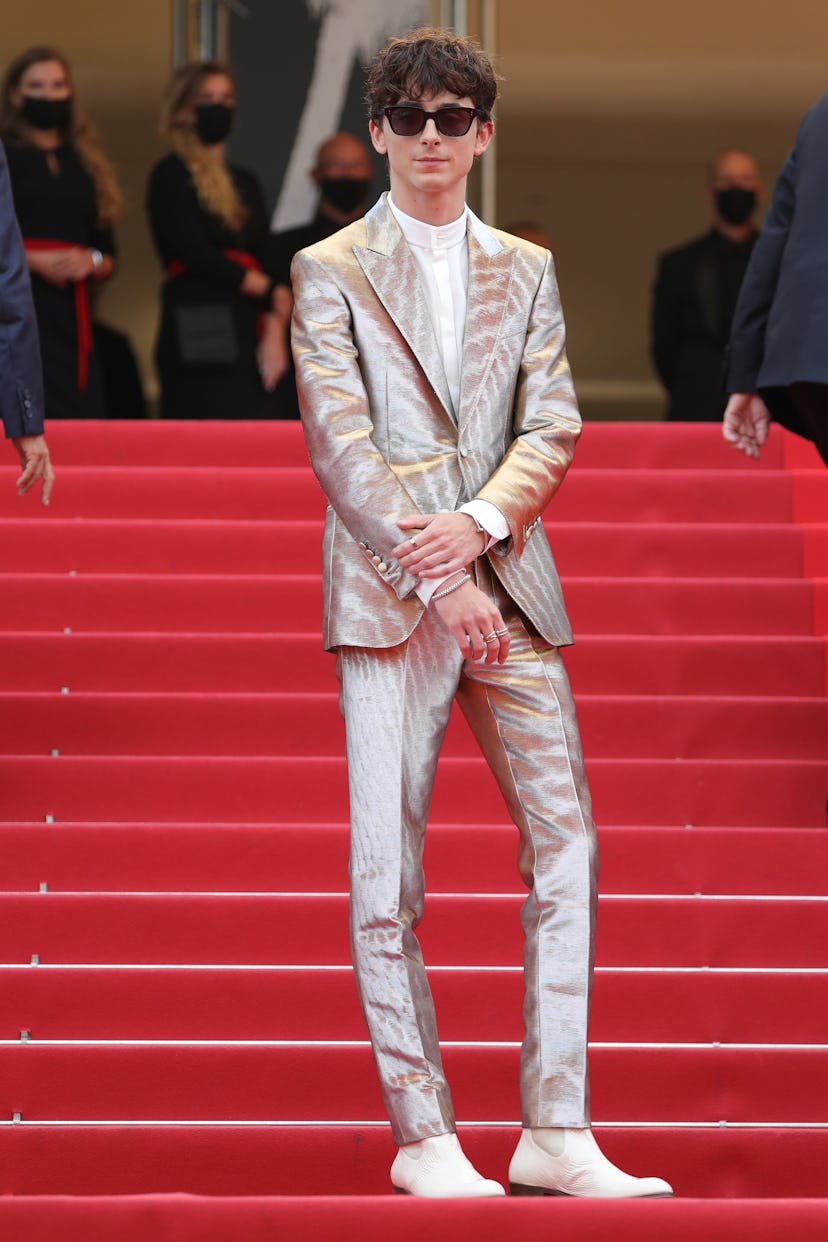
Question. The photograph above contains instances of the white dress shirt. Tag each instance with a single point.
(441, 253)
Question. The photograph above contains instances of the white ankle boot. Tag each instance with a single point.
(435, 1168)
(570, 1162)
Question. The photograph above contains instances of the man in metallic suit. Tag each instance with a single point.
(440, 419)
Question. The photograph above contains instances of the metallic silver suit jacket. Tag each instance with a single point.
(384, 439)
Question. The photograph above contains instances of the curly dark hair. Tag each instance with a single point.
(427, 62)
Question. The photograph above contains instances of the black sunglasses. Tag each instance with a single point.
(454, 121)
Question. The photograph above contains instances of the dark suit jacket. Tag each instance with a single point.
(693, 302)
(21, 374)
(780, 329)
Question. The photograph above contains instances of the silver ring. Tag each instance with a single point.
(487, 638)
(413, 541)
(501, 633)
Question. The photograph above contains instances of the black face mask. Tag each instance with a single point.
(344, 193)
(213, 122)
(47, 113)
(735, 205)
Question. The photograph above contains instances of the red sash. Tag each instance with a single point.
(177, 267)
(83, 311)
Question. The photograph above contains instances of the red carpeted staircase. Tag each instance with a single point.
(181, 1053)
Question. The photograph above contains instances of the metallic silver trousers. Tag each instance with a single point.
(396, 703)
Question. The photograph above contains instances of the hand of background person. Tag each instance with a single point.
(255, 284)
(272, 356)
(746, 422)
(60, 267)
(444, 542)
(472, 616)
(36, 463)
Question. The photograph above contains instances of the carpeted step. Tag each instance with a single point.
(320, 1002)
(337, 1082)
(598, 663)
(582, 549)
(311, 928)
(374, 1219)
(278, 602)
(651, 446)
(810, 499)
(286, 1160)
(594, 495)
(815, 550)
(238, 857)
(705, 792)
(688, 727)
(478, 857)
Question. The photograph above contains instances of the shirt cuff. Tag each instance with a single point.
(426, 587)
(489, 517)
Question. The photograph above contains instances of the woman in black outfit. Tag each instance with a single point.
(221, 345)
(66, 199)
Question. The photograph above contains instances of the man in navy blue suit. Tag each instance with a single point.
(778, 360)
(21, 375)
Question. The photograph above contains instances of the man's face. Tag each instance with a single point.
(343, 158)
(429, 163)
(734, 190)
(735, 170)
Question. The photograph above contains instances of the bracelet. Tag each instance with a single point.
(455, 586)
(481, 530)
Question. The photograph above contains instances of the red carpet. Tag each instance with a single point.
(173, 942)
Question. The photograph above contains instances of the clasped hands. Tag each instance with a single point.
(441, 545)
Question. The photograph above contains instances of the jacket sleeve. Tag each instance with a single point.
(360, 486)
(21, 390)
(750, 319)
(546, 420)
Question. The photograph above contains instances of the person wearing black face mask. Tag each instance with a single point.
(696, 289)
(221, 346)
(66, 200)
(344, 174)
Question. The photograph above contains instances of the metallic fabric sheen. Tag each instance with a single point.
(379, 428)
(396, 704)
(384, 442)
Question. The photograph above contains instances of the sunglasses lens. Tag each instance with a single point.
(451, 122)
(454, 122)
(406, 121)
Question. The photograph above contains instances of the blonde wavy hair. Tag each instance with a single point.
(80, 132)
(211, 177)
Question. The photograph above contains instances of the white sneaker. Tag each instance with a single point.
(581, 1168)
(435, 1168)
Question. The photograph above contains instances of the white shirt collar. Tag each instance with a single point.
(430, 236)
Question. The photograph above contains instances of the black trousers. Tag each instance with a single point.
(803, 408)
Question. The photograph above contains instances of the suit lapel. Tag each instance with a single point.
(490, 274)
(390, 269)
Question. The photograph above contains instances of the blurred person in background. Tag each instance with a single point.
(67, 200)
(696, 290)
(344, 174)
(221, 346)
(777, 358)
(21, 392)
